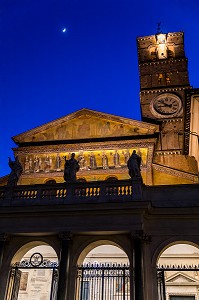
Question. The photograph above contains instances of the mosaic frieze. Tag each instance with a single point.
(88, 160)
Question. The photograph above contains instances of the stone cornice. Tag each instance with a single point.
(174, 172)
(84, 146)
(162, 62)
(189, 95)
(165, 90)
(148, 37)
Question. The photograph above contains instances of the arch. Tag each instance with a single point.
(177, 243)
(92, 245)
(177, 270)
(97, 259)
(111, 178)
(50, 181)
(22, 250)
(170, 242)
(81, 179)
(33, 260)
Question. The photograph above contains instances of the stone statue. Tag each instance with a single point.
(71, 167)
(133, 165)
(16, 171)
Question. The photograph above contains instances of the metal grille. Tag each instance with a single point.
(36, 261)
(103, 282)
(161, 269)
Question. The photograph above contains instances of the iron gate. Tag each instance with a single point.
(161, 276)
(103, 282)
(36, 261)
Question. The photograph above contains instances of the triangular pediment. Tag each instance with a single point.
(84, 124)
(181, 278)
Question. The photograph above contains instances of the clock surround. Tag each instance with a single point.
(166, 105)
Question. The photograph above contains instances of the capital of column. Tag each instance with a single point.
(139, 234)
(66, 236)
(3, 237)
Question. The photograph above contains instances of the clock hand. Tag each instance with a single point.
(165, 105)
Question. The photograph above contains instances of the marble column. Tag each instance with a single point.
(64, 265)
(138, 239)
(4, 268)
(3, 238)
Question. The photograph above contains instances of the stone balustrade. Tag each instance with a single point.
(100, 192)
(62, 193)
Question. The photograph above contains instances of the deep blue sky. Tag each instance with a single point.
(46, 73)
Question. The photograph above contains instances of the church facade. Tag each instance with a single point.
(105, 206)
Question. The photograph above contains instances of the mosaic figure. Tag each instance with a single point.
(105, 161)
(26, 165)
(93, 163)
(36, 164)
(116, 159)
(58, 162)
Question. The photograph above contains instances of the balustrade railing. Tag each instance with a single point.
(101, 191)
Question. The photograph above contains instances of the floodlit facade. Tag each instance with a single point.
(107, 236)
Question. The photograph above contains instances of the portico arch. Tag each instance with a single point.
(170, 242)
(95, 244)
(178, 271)
(103, 270)
(27, 247)
(33, 270)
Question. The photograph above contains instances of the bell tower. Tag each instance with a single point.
(163, 81)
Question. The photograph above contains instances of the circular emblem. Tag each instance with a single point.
(166, 105)
(36, 259)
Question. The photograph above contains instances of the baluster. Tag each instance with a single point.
(125, 191)
(39, 193)
(119, 190)
(59, 193)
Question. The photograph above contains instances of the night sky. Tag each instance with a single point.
(58, 56)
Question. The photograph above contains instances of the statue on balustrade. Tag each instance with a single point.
(71, 167)
(16, 171)
(133, 165)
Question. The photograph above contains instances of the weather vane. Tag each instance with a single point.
(158, 28)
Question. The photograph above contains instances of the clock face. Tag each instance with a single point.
(166, 105)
